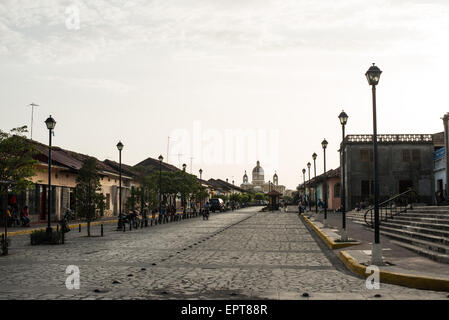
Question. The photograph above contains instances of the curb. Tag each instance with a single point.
(401, 279)
(331, 244)
(84, 224)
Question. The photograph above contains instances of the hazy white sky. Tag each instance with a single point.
(137, 71)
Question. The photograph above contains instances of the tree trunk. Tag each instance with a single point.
(88, 228)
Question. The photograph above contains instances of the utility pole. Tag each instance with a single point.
(191, 164)
(32, 104)
(179, 159)
(168, 149)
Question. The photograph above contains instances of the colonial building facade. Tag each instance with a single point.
(405, 161)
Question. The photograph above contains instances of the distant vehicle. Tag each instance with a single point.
(216, 204)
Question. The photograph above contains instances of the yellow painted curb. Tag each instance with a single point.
(401, 279)
(84, 224)
(331, 244)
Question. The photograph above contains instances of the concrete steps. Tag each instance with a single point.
(429, 249)
(431, 254)
(424, 230)
(356, 216)
(416, 235)
(431, 224)
(417, 229)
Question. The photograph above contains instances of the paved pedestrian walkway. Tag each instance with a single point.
(243, 254)
(398, 258)
(12, 231)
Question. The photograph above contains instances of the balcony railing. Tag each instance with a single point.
(390, 138)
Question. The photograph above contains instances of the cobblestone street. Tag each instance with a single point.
(244, 254)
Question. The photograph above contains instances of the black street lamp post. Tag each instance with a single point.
(343, 120)
(304, 182)
(183, 196)
(120, 220)
(314, 175)
(310, 191)
(324, 145)
(201, 196)
(373, 75)
(51, 123)
(160, 183)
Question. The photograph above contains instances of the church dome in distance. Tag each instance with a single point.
(258, 169)
(258, 174)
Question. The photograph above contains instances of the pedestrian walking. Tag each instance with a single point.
(320, 205)
(206, 211)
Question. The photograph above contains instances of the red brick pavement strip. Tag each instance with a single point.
(401, 258)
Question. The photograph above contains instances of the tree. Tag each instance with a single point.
(133, 199)
(288, 199)
(244, 198)
(17, 166)
(89, 199)
(234, 197)
(222, 196)
(259, 196)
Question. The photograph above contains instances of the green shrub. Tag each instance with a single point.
(40, 237)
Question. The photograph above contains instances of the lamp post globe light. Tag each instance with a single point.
(373, 75)
(324, 145)
(50, 123)
(160, 183)
(343, 120)
(310, 196)
(314, 177)
(120, 224)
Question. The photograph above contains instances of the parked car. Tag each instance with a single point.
(216, 204)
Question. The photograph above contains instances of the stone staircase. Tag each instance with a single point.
(424, 230)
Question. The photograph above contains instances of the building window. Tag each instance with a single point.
(365, 188)
(364, 155)
(406, 155)
(337, 188)
(108, 201)
(416, 155)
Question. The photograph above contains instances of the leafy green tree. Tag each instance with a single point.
(89, 199)
(17, 166)
(234, 197)
(288, 199)
(259, 196)
(222, 196)
(244, 198)
(133, 199)
(201, 193)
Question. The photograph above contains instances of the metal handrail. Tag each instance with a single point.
(388, 208)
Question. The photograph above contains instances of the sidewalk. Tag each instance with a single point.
(15, 231)
(402, 266)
